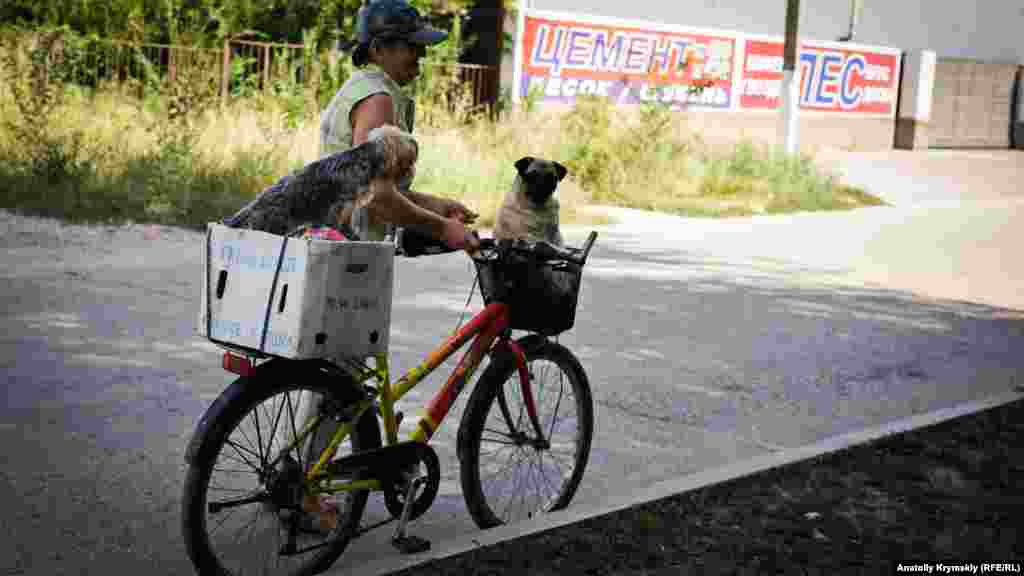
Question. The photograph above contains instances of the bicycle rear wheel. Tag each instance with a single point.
(508, 473)
(232, 466)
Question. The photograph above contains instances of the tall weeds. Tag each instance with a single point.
(180, 156)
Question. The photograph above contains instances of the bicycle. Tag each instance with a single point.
(289, 469)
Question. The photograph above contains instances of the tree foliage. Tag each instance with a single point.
(177, 20)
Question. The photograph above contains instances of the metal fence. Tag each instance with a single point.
(239, 67)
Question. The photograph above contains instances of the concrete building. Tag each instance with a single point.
(958, 81)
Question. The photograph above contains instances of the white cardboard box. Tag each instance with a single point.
(296, 297)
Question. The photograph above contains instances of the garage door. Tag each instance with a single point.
(971, 107)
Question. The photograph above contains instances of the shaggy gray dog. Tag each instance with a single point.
(324, 192)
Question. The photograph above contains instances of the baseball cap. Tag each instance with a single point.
(388, 19)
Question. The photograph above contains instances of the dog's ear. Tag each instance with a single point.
(560, 171)
(523, 163)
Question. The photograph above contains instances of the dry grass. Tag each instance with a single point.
(109, 156)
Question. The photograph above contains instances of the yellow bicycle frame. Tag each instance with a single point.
(486, 326)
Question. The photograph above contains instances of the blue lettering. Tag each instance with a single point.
(573, 47)
(224, 329)
(228, 253)
(826, 76)
(662, 54)
(680, 46)
(606, 56)
(808, 76)
(638, 64)
(848, 96)
(550, 57)
(279, 341)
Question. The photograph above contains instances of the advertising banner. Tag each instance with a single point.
(862, 81)
(560, 59)
(562, 56)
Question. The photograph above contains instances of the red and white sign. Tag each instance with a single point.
(560, 58)
(863, 81)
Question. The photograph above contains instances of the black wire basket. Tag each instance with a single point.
(541, 295)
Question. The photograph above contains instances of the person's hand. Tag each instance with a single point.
(455, 209)
(458, 237)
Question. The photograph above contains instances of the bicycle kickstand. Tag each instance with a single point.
(405, 543)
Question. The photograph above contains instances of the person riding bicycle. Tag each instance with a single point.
(391, 37)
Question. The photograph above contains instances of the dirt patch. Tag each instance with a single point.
(947, 493)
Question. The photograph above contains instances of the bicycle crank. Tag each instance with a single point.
(395, 492)
(396, 466)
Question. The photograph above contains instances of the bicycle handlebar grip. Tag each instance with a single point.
(412, 244)
(586, 247)
(546, 251)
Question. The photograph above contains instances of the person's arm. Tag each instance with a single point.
(388, 204)
(435, 204)
(375, 111)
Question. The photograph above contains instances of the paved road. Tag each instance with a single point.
(706, 343)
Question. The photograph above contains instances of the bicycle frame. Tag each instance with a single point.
(488, 325)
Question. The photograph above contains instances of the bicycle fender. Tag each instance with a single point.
(204, 429)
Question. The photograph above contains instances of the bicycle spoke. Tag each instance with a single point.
(295, 433)
(277, 420)
(241, 430)
(231, 458)
(505, 468)
(230, 512)
(238, 450)
(544, 476)
(529, 480)
(238, 534)
(259, 438)
(555, 413)
(499, 442)
(221, 489)
(519, 492)
(506, 435)
(515, 490)
(497, 450)
(232, 470)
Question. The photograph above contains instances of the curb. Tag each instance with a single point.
(562, 518)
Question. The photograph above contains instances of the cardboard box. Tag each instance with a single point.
(296, 297)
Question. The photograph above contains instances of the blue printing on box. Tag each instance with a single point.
(233, 256)
(232, 330)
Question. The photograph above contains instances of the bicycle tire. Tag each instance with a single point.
(242, 397)
(491, 390)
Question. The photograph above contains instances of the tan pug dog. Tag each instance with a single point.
(530, 209)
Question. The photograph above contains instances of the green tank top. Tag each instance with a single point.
(336, 129)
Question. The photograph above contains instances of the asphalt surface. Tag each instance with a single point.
(705, 342)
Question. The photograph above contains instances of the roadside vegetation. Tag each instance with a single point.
(179, 155)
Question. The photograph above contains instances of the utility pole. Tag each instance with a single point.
(790, 97)
(855, 9)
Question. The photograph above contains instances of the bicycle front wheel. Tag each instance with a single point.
(241, 514)
(509, 472)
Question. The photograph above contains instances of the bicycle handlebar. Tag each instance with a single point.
(543, 250)
(411, 244)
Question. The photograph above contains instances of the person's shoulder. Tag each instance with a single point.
(365, 82)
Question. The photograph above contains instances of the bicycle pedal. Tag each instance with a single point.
(410, 544)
